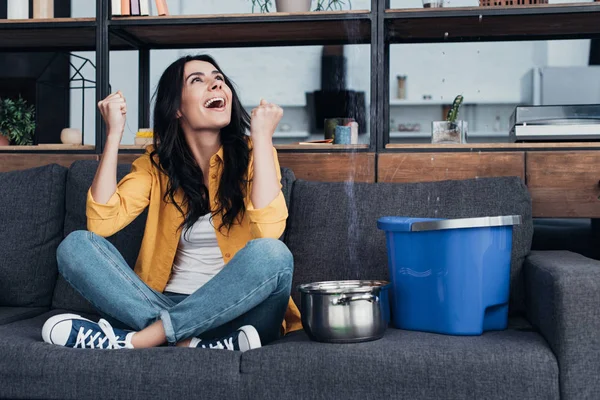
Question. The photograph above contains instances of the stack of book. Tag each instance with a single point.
(124, 8)
(19, 9)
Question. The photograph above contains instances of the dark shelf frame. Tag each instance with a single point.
(380, 27)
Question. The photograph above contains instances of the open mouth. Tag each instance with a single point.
(215, 103)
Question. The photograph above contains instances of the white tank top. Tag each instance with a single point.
(198, 258)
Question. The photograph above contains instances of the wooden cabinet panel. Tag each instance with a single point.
(12, 162)
(428, 167)
(325, 167)
(330, 167)
(564, 184)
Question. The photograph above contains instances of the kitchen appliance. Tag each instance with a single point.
(345, 311)
(555, 123)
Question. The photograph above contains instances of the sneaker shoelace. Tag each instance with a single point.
(220, 344)
(106, 339)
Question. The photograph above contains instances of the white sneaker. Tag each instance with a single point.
(244, 339)
(72, 330)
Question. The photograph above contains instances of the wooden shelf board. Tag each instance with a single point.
(494, 146)
(46, 147)
(48, 34)
(242, 30)
(308, 147)
(493, 23)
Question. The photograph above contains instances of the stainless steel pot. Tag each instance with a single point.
(345, 311)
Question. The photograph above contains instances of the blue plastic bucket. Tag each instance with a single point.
(449, 276)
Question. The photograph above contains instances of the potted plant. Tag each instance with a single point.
(299, 5)
(451, 130)
(17, 121)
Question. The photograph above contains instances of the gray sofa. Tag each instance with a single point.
(551, 349)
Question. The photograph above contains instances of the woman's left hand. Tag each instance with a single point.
(264, 120)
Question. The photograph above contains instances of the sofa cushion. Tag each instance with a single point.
(333, 234)
(127, 241)
(511, 364)
(12, 314)
(32, 206)
(30, 368)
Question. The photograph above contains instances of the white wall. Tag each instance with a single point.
(489, 72)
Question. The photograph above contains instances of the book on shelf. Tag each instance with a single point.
(135, 7)
(316, 142)
(17, 9)
(125, 7)
(43, 9)
(115, 7)
(145, 7)
(161, 7)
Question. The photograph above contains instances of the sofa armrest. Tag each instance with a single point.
(562, 292)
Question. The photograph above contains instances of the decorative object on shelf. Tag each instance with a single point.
(451, 130)
(77, 81)
(343, 135)
(292, 5)
(17, 121)
(332, 123)
(332, 5)
(265, 6)
(43, 9)
(4, 140)
(402, 87)
(71, 136)
(161, 7)
(144, 137)
(17, 9)
(510, 3)
(433, 3)
(409, 127)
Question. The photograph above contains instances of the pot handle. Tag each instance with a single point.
(345, 300)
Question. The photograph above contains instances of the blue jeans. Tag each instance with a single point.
(252, 289)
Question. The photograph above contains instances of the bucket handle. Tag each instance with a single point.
(345, 299)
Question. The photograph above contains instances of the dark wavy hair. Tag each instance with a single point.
(176, 160)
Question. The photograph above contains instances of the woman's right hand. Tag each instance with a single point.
(114, 110)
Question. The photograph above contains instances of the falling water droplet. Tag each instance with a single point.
(445, 35)
(480, 17)
(443, 80)
(431, 158)
(438, 199)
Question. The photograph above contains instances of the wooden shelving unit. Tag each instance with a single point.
(236, 30)
(57, 34)
(540, 22)
(563, 177)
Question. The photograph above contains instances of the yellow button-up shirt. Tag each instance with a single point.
(145, 186)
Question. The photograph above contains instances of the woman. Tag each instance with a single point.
(210, 272)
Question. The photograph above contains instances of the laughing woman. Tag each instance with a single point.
(211, 272)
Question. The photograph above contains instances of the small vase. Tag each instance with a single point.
(70, 136)
(4, 140)
(290, 6)
(449, 132)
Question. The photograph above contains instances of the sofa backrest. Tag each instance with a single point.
(32, 208)
(127, 241)
(333, 235)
